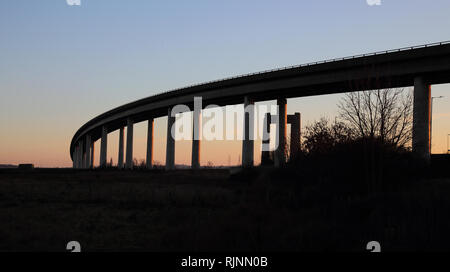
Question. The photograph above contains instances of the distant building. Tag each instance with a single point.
(26, 166)
(7, 166)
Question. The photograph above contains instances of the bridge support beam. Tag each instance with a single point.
(280, 153)
(83, 155)
(91, 166)
(75, 157)
(121, 149)
(421, 123)
(196, 133)
(103, 147)
(149, 161)
(74, 161)
(249, 131)
(265, 153)
(88, 152)
(82, 158)
(129, 157)
(170, 147)
(78, 156)
(295, 122)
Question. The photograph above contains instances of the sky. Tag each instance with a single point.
(62, 65)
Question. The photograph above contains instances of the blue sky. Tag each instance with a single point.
(61, 65)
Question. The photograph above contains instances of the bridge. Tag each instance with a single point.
(419, 66)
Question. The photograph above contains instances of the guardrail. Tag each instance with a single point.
(311, 64)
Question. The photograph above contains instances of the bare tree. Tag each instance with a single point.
(323, 135)
(384, 114)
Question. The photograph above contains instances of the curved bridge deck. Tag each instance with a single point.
(387, 69)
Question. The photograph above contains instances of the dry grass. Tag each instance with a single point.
(209, 211)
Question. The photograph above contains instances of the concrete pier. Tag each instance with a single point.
(80, 155)
(280, 153)
(196, 137)
(103, 147)
(75, 157)
(88, 152)
(74, 161)
(83, 155)
(248, 141)
(129, 156)
(170, 148)
(91, 166)
(265, 154)
(149, 161)
(421, 124)
(121, 149)
(295, 122)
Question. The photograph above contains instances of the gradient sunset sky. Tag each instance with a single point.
(62, 65)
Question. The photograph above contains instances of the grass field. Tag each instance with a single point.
(258, 210)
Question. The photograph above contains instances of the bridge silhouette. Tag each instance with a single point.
(418, 66)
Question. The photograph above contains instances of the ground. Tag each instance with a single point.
(210, 210)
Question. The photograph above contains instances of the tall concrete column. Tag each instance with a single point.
(78, 155)
(280, 153)
(129, 157)
(295, 122)
(82, 158)
(77, 158)
(170, 148)
(83, 155)
(421, 122)
(103, 147)
(149, 161)
(74, 161)
(249, 126)
(196, 136)
(92, 154)
(265, 154)
(121, 146)
(88, 152)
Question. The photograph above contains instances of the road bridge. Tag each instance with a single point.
(419, 66)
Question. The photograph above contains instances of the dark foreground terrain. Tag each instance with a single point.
(259, 210)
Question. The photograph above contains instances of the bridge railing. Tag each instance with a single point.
(312, 63)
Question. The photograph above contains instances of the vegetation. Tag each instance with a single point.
(256, 210)
(383, 114)
(369, 150)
